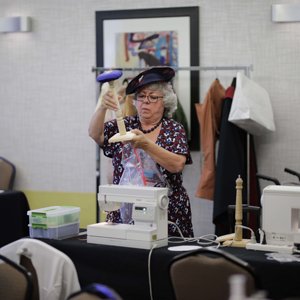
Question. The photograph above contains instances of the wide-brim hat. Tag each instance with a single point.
(153, 75)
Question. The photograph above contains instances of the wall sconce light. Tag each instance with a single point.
(286, 12)
(15, 24)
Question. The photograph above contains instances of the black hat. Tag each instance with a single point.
(152, 75)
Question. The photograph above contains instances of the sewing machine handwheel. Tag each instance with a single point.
(163, 202)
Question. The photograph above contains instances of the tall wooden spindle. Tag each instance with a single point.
(238, 240)
(238, 210)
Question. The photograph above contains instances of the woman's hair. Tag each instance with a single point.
(170, 98)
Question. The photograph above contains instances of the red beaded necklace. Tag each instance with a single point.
(151, 129)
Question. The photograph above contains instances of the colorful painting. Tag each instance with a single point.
(142, 49)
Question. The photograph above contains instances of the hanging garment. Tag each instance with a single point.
(231, 162)
(209, 116)
(254, 189)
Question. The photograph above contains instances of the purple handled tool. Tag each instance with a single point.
(110, 77)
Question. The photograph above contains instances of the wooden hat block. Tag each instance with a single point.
(122, 135)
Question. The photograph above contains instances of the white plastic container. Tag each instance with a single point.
(55, 233)
(54, 216)
(54, 222)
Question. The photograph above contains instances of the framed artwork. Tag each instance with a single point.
(134, 40)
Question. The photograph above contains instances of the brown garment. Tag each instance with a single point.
(209, 116)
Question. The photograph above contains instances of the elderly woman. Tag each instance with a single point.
(163, 139)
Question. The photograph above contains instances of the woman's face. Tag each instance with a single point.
(149, 104)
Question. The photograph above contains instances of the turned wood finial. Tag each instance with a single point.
(238, 240)
(238, 209)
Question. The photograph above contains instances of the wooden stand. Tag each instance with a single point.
(238, 240)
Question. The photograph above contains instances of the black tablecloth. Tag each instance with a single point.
(126, 269)
(13, 216)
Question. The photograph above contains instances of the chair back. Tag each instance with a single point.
(84, 296)
(204, 274)
(95, 291)
(28, 265)
(15, 281)
(7, 174)
(60, 278)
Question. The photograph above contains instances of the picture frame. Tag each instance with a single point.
(184, 20)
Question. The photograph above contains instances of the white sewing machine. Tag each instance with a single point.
(281, 214)
(149, 213)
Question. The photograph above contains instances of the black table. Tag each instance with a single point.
(126, 269)
(13, 216)
(123, 269)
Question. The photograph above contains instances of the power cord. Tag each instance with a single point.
(178, 229)
(252, 237)
(199, 240)
(262, 236)
(149, 271)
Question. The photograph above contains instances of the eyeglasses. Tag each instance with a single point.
(150, 98)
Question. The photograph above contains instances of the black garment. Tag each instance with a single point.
(231, 162)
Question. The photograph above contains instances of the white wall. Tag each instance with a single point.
(48, 92)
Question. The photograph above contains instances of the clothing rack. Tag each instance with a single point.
(247, 69)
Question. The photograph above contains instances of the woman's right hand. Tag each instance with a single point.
(108, 101)
(96, 126)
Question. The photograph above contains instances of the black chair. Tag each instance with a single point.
(43, 259)
(15, 281)
(95, 291)
(7, 174)
(204, 274)
(268, 178)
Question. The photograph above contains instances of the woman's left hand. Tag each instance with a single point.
(140, 140)
(172, 162)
